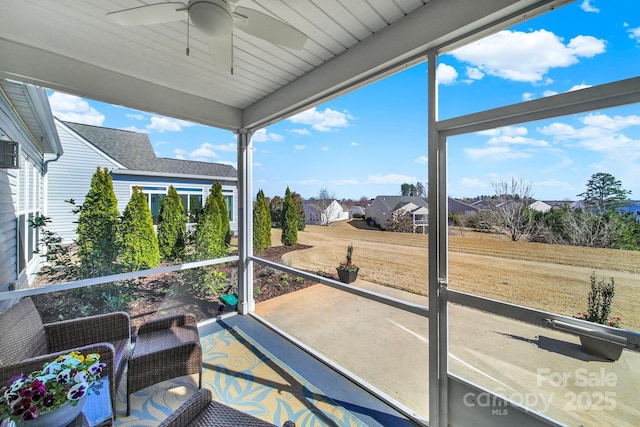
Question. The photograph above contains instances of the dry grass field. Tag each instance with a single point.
(547, 277)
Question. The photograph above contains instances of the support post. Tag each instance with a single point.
(437, 196)
(246, 304)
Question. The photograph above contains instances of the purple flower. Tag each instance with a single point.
(78, 391)
(30, 414)
(48, 400)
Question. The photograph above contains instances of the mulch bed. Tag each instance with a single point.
(161, 294)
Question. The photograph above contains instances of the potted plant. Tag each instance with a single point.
(53, 395)
(347, 270)
(599, 311)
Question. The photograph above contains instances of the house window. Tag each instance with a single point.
(191, 199)
(154, 195)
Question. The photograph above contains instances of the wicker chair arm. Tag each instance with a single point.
(188, 410)
(168, 322)
(88, 330)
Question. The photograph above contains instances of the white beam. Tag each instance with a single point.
(54, 71)
(608, 95)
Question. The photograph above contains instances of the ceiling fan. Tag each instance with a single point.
(217, 21)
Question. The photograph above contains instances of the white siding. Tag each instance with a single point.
(70, 178)
(8, 222)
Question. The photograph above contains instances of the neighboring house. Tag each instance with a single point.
(382, 208)
(357, 212)
(316, 213)
(457, 207)
(132, 162)
(25, 118)
(540, 206)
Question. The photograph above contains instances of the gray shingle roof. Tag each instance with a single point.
(134, 151)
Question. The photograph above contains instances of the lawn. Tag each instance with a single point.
(548, 277)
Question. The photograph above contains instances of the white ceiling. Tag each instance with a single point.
(72, 46)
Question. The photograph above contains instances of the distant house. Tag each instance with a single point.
(357, 212)
(540, 206)
(25, 119)
(457, 207)
(132, 162)
(632, 208)
(382, 208)
(317, 214)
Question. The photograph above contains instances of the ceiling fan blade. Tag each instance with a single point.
(150, 14)
(221, 49)
(267, 28)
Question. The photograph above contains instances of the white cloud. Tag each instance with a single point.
(72, 108)
(135, 129)
(549, 93)
(205, 151)
(322, 121)
(299, 147)
(613, 123)
(422, 160)
(527, 96)
(262, 135)
(526, 57)
(324, 148)
(166, 124)
(301, 131)
(472, 182)
(474, 73)
(634, 33)
(497, 153)
(578, 87)
(391, 178)
(588, 7)
(135, 116)
(446, 74)
(354, 144)
(227, 148)
(179, 153)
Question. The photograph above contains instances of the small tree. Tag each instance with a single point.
(137, 241)
(97, 228)
(172, 226)
(261, 224)
(604, 193)
(289, 221)
(302, 215)
(208, 235)
(275, 209)
(225, 227)
(510, 208)
(599, 301)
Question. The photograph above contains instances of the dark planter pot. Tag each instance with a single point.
(347, 276)
(601, 348)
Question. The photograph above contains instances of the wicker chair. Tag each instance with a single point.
(165, 348)
(27, 343)
(200, 411)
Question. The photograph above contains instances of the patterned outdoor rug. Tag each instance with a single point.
(244, 375)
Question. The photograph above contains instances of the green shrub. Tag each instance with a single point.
(275, 209)
(97, 228)
(261, 224)
(209, 239)
(172, 227)
(137, 241)
(302, 215)
(225, 226)
(289, 221)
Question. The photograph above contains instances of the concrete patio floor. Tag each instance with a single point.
(546, 370)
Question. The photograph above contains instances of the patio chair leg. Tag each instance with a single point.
(200, 380)
(128, 405)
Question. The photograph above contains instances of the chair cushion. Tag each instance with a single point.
(23, 333)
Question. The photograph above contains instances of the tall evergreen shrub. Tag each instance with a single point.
(289, 221)
(172, 227)
(302, 215)
(208, 236)
(137, 241)
(261, 224)
(97, 228)
(225, 226)
(275, 209)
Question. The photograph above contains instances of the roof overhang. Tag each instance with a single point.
(67, 56)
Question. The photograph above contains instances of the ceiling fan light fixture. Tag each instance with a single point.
(212, 17)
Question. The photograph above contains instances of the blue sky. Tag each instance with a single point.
(369, 142)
